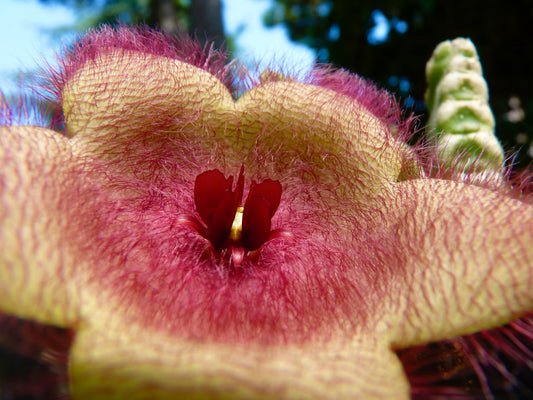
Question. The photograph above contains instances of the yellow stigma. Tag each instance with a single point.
(236, 227)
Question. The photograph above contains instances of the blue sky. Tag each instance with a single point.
(26, 27)
(261, 44)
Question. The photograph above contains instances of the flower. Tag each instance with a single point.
(384, 253)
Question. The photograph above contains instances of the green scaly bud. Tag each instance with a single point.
(461, 121)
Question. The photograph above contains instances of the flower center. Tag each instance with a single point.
(227, 224)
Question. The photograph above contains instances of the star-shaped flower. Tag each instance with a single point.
(112, 228)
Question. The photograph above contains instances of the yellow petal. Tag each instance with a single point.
(36, 276)
(468, 260)
(122, 93)
(126, 361)
(332, 134)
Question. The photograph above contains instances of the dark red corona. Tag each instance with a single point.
(227, 223)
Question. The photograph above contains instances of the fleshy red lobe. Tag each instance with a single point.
(217, 203)
(261, 204)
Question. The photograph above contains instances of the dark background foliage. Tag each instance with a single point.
(502, 31)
